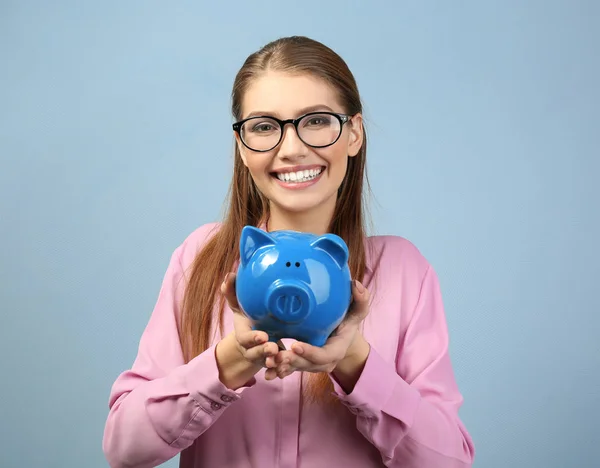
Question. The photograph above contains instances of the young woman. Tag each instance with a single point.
(380, 392)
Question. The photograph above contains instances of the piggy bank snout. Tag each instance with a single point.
(289, 301)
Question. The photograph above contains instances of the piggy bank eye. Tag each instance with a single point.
(297, 264)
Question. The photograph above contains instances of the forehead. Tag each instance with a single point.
(286, 95)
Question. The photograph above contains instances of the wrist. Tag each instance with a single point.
(349, 369)
(358, 351)
(234, 370)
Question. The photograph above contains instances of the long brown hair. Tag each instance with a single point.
(247, 206)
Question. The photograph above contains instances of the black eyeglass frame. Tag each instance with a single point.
(342, 118)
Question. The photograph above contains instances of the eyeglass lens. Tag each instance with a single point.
(263, 133)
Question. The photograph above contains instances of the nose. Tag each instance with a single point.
(289, 301)
(291, 145)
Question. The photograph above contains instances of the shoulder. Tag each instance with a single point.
(395, 254)
(194, 243)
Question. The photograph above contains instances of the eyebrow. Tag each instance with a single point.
(306, 110)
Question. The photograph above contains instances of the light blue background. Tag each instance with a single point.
(115, 143)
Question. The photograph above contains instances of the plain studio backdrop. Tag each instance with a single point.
(116, 143)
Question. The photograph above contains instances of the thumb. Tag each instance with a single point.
(228, 290)
(360, 304)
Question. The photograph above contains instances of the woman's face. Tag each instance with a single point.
(295, 177)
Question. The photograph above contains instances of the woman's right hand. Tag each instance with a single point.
(244, 352)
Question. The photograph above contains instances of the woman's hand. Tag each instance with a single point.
(345, 342)
(242, 353)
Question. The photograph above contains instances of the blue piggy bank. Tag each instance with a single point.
(293, 284)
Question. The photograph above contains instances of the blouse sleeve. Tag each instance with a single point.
(161, 405)
(409, 409)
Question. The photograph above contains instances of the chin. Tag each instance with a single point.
(294, 206)
(300, 204)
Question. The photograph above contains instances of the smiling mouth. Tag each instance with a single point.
(298, 176)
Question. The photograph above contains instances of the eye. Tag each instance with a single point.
(263, 127)
(317, 121)
(297, 264)
(287, 264)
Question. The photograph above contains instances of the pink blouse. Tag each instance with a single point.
(403, 411)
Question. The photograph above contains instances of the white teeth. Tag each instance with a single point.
(300, 176)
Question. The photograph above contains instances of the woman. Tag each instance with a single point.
(380, 392)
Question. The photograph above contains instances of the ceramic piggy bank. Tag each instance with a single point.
(293, 284)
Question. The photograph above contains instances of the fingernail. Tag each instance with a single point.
(359, 287)
(298, 349)
(258, 339)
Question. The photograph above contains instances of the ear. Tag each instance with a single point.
(334, 246)
(251, 240)
(356, 137)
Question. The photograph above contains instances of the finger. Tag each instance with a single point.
(261, 352)
(286, 368)
(249, 338)
(271, 374)
(246, 336)
(332, 351)
(299, 363)
(296, 362)
(285, 371)
(360, 304)
(283, 357)
(270, 362)
(228, 290)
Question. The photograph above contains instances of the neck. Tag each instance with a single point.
(315, 221)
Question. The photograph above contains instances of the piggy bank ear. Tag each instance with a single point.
(334, 246)
(251, 240)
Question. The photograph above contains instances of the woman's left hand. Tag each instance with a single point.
(308, 358)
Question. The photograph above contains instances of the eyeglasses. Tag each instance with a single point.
(316, 129)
